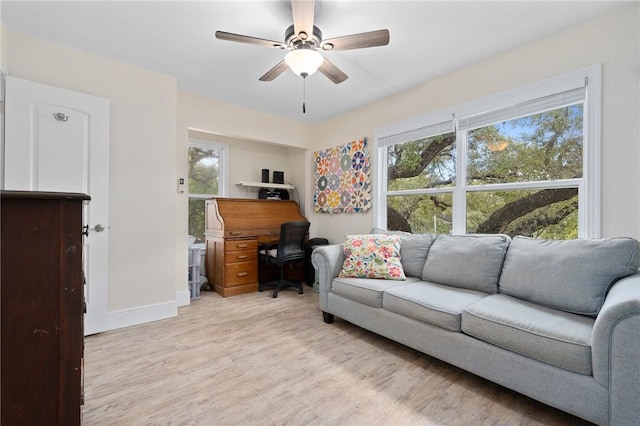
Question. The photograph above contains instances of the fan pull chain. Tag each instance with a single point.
(304, 93)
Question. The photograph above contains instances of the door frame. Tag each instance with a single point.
(96, 246)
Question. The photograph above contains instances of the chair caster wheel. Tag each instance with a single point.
(275, 294)
(300, 291)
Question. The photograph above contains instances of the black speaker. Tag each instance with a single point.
(278, 177)
(265, 175)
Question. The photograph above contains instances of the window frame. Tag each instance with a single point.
(589, 220)
(223, 173)
(223, 166)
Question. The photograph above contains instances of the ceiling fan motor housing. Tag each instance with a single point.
(297, 41)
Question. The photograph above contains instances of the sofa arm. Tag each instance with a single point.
(616, 349)
(327, 260)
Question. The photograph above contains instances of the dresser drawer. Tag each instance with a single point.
(241, 256)
(240, 273)
(235, 245)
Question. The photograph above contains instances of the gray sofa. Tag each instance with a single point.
(558, 321)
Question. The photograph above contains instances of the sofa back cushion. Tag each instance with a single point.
(466, 261)
(570, 275)
(413, 250)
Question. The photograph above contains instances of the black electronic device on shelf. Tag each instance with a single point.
(273, 194)
(278, 177)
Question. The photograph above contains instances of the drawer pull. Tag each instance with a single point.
(243, 256)
(242, 274)
(242, 245)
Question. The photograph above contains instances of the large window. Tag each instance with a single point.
(207, 178)
(519, 163)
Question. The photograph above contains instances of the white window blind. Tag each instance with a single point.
(419, 133)
(534, 106)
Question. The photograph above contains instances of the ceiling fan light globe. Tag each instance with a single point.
(303, 61)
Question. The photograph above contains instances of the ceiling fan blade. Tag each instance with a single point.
(274, 72)
(332, 72)
(303, 17)
(222, 35)
(357, 41)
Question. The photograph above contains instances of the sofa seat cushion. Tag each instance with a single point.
(571, 275)
(367, 291)
(549, 335)
(473, 262)
(435, 304)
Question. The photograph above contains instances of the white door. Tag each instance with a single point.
(58, 140)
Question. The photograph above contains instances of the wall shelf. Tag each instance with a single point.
(265, 185)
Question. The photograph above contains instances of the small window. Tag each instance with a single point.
(207, 162)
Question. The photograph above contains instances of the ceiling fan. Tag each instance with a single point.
(304, 42)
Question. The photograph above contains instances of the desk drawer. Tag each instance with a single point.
(241, 256)
(241, 273)
(235, 245)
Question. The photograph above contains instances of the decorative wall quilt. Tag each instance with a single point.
(342, 183)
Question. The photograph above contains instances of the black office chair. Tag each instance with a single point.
(289, 250)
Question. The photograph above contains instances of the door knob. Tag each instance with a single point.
(98, 228)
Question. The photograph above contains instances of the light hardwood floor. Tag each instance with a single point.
(255, 360)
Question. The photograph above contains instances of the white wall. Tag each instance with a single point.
(256, 141)
(151, 118)
(248, 158)
(3, 59)
(611, 39)
(143, 139)
(150, 122)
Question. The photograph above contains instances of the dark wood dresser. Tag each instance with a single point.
(42, 302)
(233, 228)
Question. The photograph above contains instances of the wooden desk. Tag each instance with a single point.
(233, 229)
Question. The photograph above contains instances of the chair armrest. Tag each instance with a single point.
(616, 349)
(327, 260)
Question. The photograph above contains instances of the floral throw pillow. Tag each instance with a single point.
(372, 256)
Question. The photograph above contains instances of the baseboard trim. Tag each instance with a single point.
(141, 314)
(183, 298)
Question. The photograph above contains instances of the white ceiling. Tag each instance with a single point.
(428, 39)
